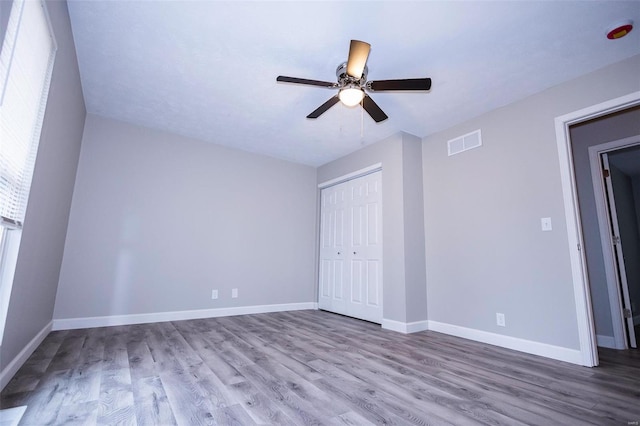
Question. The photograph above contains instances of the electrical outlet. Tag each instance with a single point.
(234, 293)
(214, 294)
(545, 223)
(500, 319)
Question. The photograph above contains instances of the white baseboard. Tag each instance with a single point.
(606, 341)
(404, 327)
(536, 348)
(106, 321)
(12, 416)
(12, 368)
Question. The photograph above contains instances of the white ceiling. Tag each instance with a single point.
(207, 69)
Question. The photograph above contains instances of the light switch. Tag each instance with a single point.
(546, 223)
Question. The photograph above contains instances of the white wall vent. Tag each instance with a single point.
(465, 142)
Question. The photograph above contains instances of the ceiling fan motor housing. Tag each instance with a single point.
(345, 80)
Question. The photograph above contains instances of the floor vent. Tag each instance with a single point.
(465, 142)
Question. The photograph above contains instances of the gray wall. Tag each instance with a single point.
(595, 132)
(404, 289)
(485, 249)
(38, 267)
(159, 220)
(413, 211)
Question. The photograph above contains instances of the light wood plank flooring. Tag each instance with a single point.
(309, 367)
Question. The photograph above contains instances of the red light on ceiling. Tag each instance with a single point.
(620, 30)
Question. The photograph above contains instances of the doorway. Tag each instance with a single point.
(573, 216)
(576, 132)
(615, 169)
(350, 279)
(627, 161)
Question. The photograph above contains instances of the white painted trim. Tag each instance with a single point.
(404, 327)
(597, 179)
(393, 325)
(12, 368)
(106, 321)
(349, 176)
(606, 342)
(582, 297)
(12, 416)
(584, 309)
(536, 348)
(417, 326)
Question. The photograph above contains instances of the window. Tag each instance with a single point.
(26, 64)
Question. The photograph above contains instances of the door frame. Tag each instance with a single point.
(584, 308)
(604, 223)
(350, 176)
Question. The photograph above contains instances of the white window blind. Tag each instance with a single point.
(26, 63)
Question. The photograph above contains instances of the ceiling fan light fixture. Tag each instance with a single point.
(351, 96)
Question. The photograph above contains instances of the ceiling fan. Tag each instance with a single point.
(353, 84)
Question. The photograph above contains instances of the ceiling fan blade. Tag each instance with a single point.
(324, 107)
(373, 109)
(358, 54)
(403, 84)
(285, 79)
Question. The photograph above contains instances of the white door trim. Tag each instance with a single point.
(584, 309)
(615, 299)
(350, 176)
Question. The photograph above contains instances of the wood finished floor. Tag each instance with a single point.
(309, 367)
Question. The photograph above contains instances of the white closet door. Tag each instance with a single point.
(351, 248)
(332, 248)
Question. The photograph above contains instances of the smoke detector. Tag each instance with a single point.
(619, 30)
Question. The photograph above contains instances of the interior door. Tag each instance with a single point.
(332, 248)
(619, 265)
(351, 248)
